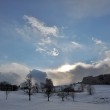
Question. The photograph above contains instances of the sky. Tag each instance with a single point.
(65, 38)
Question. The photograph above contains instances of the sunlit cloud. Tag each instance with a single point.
(70, 73)
(65, 68)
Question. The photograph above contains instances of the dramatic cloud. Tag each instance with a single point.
(67, 74)
(13, 73)
(16, 73)
(87, 8)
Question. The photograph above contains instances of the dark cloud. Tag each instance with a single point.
(38, 75)
(93, 70)
(14, 73)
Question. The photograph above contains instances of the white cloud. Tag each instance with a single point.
(41, 27)
(53, 52)
(76, 45)
(43, 37)
(39, 49)
(48, 45)
(97, 41)
(100, 46)
(58, 47)
(47, 41)
(25, 32)
(70, 46)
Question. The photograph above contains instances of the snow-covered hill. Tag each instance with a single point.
(19, 101)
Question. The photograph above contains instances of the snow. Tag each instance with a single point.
(19, 101)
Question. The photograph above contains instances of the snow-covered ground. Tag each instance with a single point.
(18, 101)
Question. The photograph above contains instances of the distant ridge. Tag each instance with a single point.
(97, 80)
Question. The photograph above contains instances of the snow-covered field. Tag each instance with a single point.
(18, 101)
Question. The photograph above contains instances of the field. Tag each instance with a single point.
(19, 101)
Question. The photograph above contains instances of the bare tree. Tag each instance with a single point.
(36, 87)
(82, 87)
(62, 94)
(48, 88)
(42, 86)
(29, 86)
(7, 88)
(68, 89)
(73, 95)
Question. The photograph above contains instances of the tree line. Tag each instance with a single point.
(46, 87)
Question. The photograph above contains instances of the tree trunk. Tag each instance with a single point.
(62, 99)
(6, 95)
(29, 94)
(48, 97)
(37, 91)
(29, 97)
